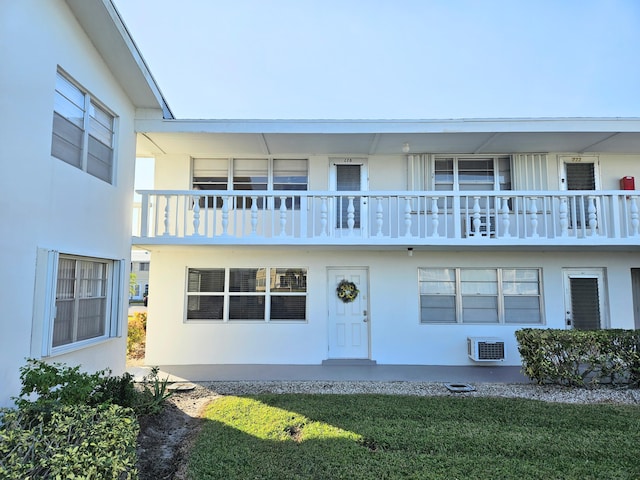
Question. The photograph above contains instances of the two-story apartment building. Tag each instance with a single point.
(72, 82)
(444, 231)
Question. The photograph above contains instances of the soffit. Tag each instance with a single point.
(256, 144)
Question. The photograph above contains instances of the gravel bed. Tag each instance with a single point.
(549, 393)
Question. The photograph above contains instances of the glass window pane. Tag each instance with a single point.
(436, 274)
(479, 309)
(442, 288)
(522, 309)
(246, 307)
(68, 110)
(479, 288)
(478, 275)
(205, 307)
(91, 315)
(101, 125)
(69, 91)
(288, 280)
(437, 309)
(63, 323)
(100, 160)
(250, 174)
(247, 279)
(209, 280)
(512, 275)
(288, 307)
(66, 141)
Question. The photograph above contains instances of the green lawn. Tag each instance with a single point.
(388, 437)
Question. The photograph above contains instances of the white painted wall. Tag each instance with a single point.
(44, 202)
(397, 337)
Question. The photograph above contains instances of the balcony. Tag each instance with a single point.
(386, 218)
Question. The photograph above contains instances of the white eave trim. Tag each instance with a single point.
(516, 125)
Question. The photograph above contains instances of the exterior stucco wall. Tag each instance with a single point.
(44, 202)
(396, 335)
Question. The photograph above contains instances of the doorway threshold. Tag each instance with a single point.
(349, 362)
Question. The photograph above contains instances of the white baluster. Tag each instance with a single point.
(283, 216)
(254, 215)
(351, 215)
(533, 212)
(167, 209)
(435, 221)
(225, 215)
(379, 215)
(476, 216)
(593, 218)
(505, 217)
(635, 222)
(407, 217)
(564, 218)
(323, 216)
(196, 215)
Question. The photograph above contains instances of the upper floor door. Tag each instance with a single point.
(349, 175)
(579, 173)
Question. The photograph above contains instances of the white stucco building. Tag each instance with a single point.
(451, 230)
(72, 83)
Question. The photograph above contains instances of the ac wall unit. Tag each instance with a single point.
(487, 227)
(485, 349)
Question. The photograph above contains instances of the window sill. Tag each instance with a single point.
(74, 347)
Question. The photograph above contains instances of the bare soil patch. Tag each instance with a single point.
(166, 438)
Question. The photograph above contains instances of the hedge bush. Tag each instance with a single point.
(579, 357)
(69, 442)
(70, 425)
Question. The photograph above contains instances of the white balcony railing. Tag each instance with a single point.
(384, 217)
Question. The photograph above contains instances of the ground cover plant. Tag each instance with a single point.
(381, 436)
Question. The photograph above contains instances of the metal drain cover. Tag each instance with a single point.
(181, 387)
(460, 387)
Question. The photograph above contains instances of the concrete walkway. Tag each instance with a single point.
(381, 373)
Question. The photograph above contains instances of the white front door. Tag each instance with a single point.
(585, 295)
(348, 321)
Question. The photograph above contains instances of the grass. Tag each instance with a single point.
(388, 437)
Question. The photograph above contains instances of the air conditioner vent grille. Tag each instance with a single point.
(490, 351)
(485, 349)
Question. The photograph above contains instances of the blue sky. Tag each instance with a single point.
(373, 59)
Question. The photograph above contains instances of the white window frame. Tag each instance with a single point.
(456, 171)
(270, 173)
(45, 302)
(90, 125)
(500, 295)
(226, 294)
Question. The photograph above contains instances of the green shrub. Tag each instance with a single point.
(580, 358)
(46, 387)
(137, 334)
(71, 441)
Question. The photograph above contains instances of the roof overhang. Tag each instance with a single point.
(104, 26)
(387, 137)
